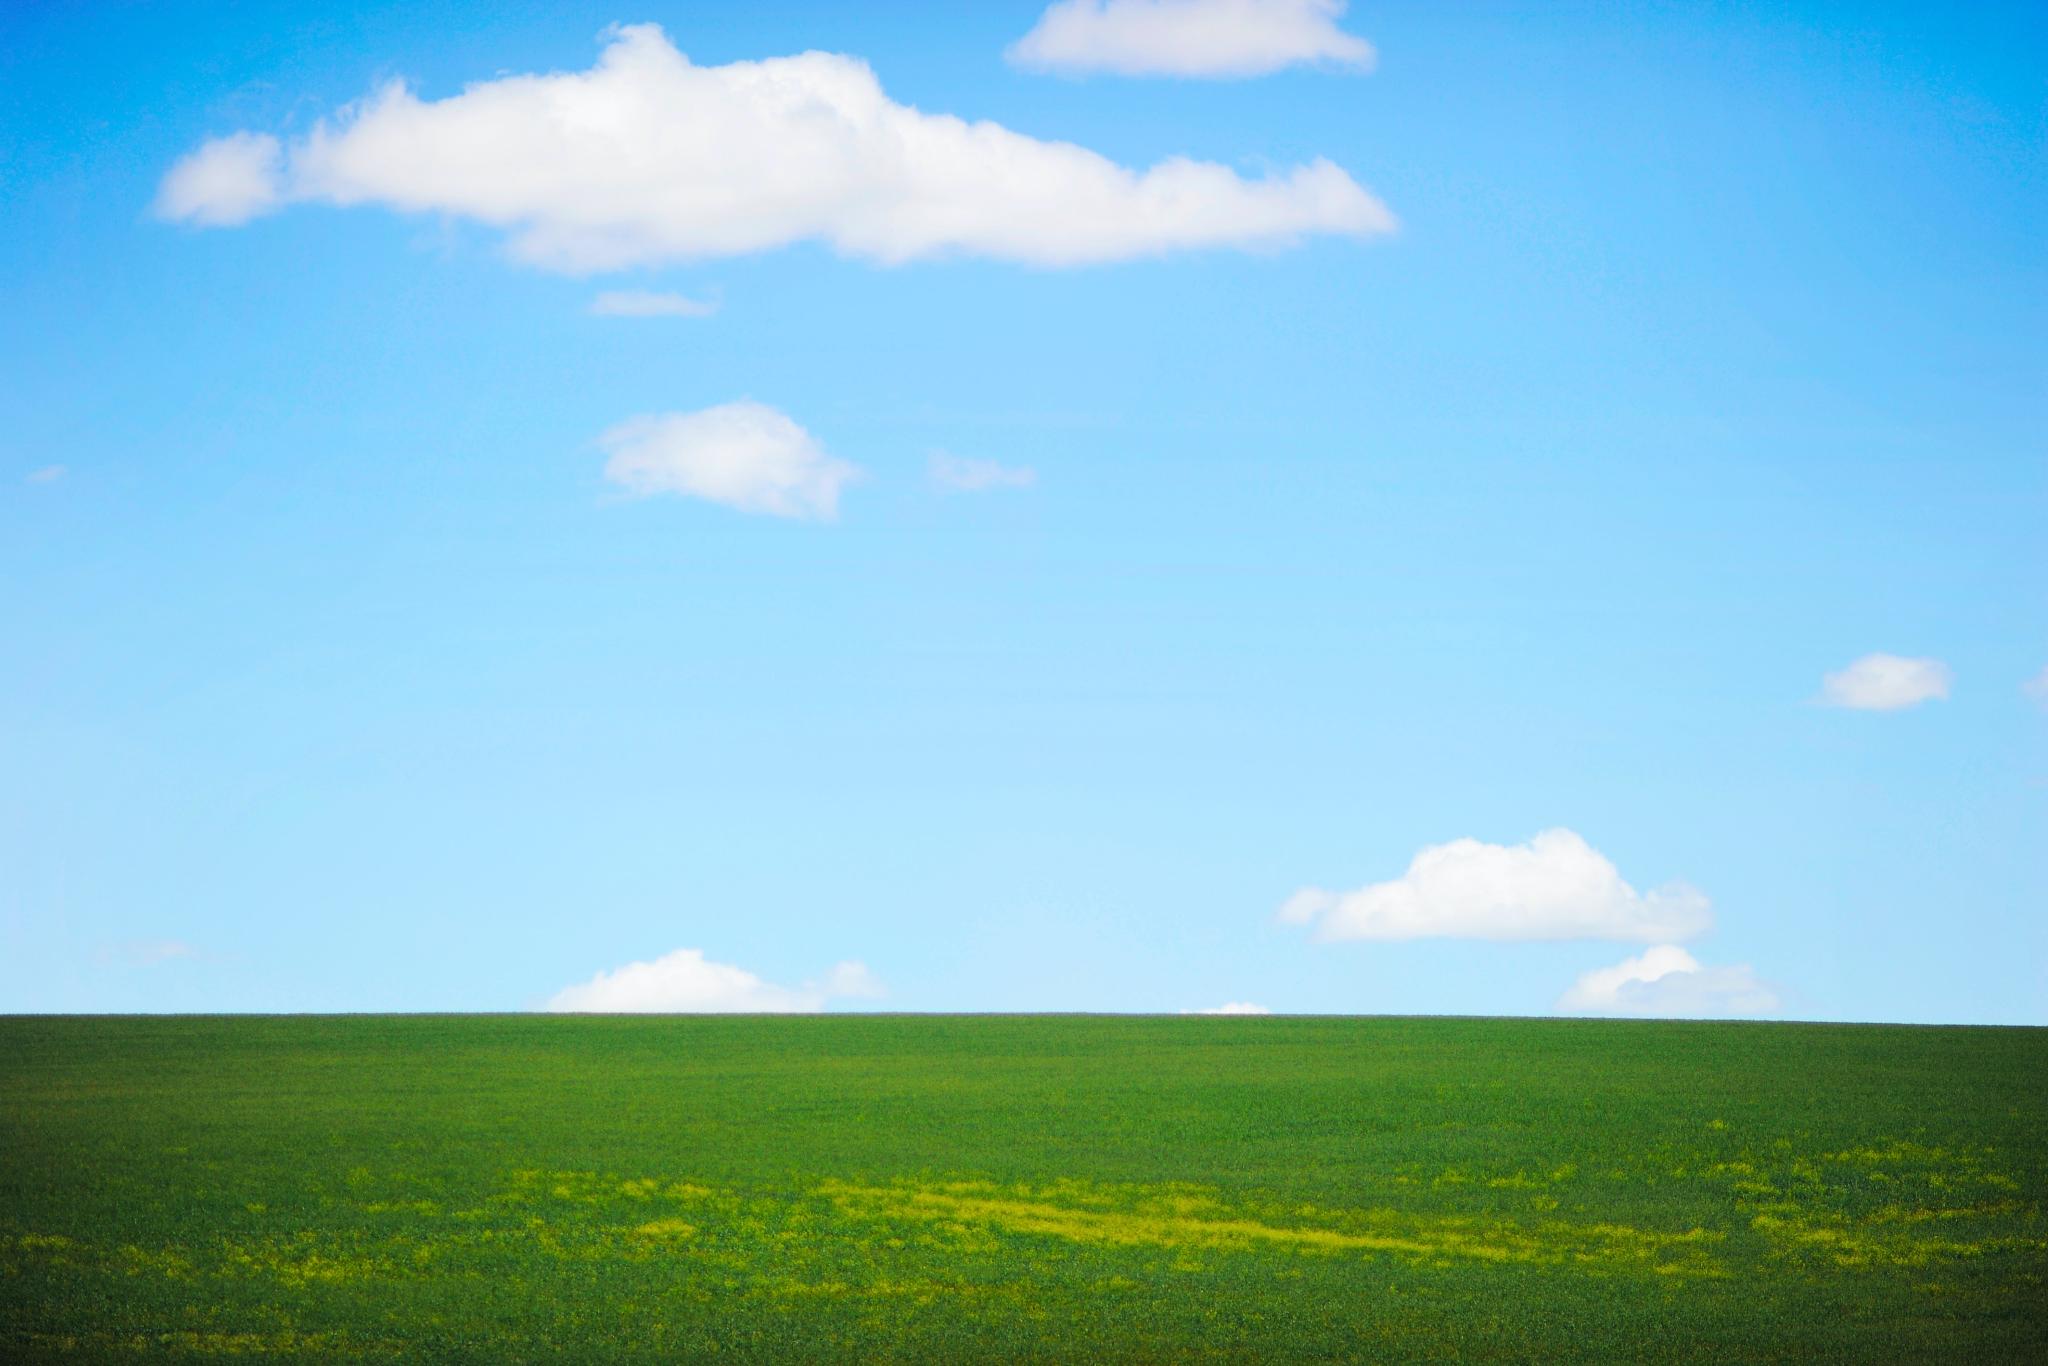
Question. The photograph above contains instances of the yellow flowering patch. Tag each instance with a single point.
(1184, 1223)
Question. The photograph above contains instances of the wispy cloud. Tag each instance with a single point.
(48, 474)
(1667, 981)
(145, 952)
(960, 474)
(639, 303)
(686, 982)
(1882, 682)
(226, 182)
(648, 158)
(745, 455)
(1556, 886)
(1214, 38)
(2037, 686)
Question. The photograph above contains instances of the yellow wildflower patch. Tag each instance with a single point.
(665, 1228)
(1434, 1240)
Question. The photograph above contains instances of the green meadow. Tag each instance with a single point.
(533, 1188)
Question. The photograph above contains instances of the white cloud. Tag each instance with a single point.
(962, 474)
(1882, 682)
(646, 158)
(1554, 887)
(854, 980)
(1231, 1008)
(2037, 686)
(1226, 38)
(1668, 981)
(48, 474)
(745, 455)
(226, 181)
(686, 982)
(639, 303)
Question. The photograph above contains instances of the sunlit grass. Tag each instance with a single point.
(492, 1188)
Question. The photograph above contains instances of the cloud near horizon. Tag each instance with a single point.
(745, 455)
(1667, 981)
(686, 982)
(1203, 38)
(1231, 1008)
(1883, 682)
(1556, 886)
(646, 158)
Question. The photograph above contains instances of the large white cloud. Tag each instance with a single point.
(686, 982)
(1882, 682)
(1554, 887)
(745, 455)
(1189, 37)
(646, 158)
(1668, 981)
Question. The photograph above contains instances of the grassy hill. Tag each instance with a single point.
(523, 1188)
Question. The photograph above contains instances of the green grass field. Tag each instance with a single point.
(522, 1188)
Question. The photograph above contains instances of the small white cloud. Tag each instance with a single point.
(2037, 686)
(1667, 981)
(1554, 887)
(48, 474)
(853, 980)
(686, 982)
(1231, 1008)
(1217, 38)
(745, 455)
(640, 303)
(648, 158)
(225, 182)
(1882, 682)
(961, 474)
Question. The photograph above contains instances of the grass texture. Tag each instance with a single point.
(532, 1188)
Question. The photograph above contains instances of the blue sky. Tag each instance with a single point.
(346, 670)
